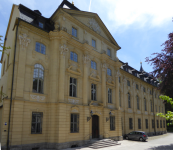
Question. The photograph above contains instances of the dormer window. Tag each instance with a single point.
(108, 52)
(40, 24)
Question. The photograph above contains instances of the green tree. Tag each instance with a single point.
(169, 114)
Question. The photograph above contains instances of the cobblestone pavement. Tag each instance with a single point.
(160, 142)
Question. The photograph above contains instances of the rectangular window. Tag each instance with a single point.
(36, 126)
(130, 123)
(74, 32)
(145, 104)
(146, 123)
(151, 106)
(112, 122)
(152, 123)
(108, 52)
(40, 48)
(119, 79)
(156, 108)
(128, 83)
(73, 56)
(93, 92)
(160, 123)
(157, 123)
(163, 123)
(40, 25)
(144, 89)
(93, 43)
(109, 72)
(109, 95)
(93, 65)
(8, 61)
(73, 87)
(74, 123)
(150, 92)
(137, 87)
(139, 123)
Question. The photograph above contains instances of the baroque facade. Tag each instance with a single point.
(64, 84)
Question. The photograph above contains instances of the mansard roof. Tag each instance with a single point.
(141, 74)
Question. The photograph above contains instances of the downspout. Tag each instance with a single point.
(12, 88)
(154, 113)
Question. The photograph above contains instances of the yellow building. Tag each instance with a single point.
(64, 83)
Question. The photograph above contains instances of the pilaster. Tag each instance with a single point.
(104, 69)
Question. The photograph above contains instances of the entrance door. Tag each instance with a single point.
(95, 126)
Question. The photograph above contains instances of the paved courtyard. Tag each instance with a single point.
(160, 142)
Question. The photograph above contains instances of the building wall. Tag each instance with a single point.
(55, 102)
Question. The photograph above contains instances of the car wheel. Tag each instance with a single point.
(140, 139)
(127, 137)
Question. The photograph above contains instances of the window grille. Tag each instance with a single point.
(74, 123)
(36, 126)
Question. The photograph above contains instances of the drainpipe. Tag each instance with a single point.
(154, 112)
(12, 88)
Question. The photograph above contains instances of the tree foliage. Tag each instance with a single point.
(169, 115)
(2, 47)
(163, 66)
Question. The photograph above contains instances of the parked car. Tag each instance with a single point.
(136, 135)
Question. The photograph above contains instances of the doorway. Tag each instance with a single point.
(95, 126)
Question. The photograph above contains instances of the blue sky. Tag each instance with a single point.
(140, 27)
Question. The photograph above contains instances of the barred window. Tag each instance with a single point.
(137, 99)
(36, 125)
(146, 123)
(109, 72)
(130, 123)
(108, 52)
(139, 123)
(109, 95)
(40, 48)
(38, 78)
(157, 123)
(160, 123)
(129, 101)
(93, 65)
(73, 56)
(93, 43)
(74, 32)
(93, 92)
(152, 123)
(137, 87)
(128, 83)
(145, 104)
(74, 123)
(73, 87)
(112, 122)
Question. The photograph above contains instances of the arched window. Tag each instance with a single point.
(38, 78)
(129, 103)
(109, 72)
(109, 95)
(73, 56)
(40, 48)
(137, 99)
(93, 65)
(145, 104)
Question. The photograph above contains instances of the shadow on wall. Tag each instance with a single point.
(164, 147)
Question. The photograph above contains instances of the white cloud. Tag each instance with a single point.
(122, 13)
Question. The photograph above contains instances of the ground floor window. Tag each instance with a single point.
(74, 123)
(139, 123)
(112, 122)
(152, 123)
(160, 123)
(164, 123)
(146, 123)
(36, 127)
(157, 123)
(130, 123)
